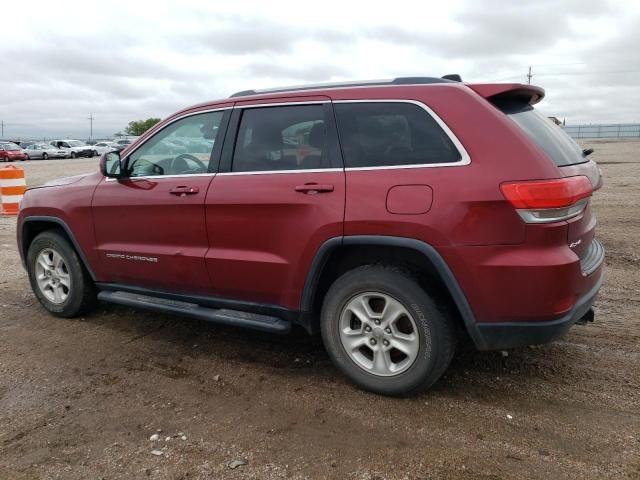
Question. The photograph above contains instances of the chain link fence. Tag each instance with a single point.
(614, 130)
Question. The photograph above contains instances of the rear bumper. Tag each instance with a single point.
(499, 336)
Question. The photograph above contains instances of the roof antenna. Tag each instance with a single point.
(453, 76)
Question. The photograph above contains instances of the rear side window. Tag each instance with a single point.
(281, 138)
(379, 134)
(551, 138)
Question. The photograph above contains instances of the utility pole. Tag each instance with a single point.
(2, 125)
(529, 75)
(91, 118)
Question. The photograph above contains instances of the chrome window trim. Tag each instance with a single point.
(283, 104)
(465, 159)
(155, 177)
(275, 172)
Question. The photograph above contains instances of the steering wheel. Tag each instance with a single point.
(186, 156)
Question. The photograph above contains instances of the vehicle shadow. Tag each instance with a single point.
(171, 338)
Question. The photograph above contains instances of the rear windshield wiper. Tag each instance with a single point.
(587, 151)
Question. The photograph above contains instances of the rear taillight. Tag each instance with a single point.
(545, 201)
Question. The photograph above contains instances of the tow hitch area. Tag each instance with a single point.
(587, 318)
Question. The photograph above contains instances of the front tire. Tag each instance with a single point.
(384, 332)
(45, 156)
(57, 276)
(73, 155)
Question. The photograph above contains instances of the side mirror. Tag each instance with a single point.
(111, 165)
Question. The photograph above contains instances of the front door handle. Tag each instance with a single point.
(183, 190)
(313, 188)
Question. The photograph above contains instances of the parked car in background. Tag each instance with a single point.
(10, 151)
(104, 147)
(44, 151)
(75, 148)
(123, 143)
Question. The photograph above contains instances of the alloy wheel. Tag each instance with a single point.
(379, 334)
(52, 276)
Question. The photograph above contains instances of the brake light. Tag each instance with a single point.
(544, 201)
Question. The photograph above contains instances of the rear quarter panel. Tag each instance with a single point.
(468, 207)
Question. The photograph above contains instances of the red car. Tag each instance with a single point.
(395, 218)
(10, 152)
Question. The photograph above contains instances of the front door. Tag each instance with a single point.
(278, 197)
(150, 227)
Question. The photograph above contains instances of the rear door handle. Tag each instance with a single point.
(182, 191)
(313, 188)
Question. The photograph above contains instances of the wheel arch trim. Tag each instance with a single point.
(443, 270)
(61, 223)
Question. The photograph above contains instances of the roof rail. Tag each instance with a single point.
(362, 83)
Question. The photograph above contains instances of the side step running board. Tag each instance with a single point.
(226, 316)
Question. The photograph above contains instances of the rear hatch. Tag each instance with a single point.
(571, 160)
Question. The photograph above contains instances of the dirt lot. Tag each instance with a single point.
(80, 398)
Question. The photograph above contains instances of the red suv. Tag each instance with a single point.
(395, 218)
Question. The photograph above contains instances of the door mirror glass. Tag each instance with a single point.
(111, 165)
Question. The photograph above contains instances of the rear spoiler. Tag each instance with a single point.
(495, 91)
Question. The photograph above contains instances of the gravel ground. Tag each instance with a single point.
(81, 398)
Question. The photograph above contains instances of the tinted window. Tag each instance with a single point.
(385, 134)
(551, 138)
(281, 138)
(182, 148)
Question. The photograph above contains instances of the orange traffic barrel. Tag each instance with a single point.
(12, 188)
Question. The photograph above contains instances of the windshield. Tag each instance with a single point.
(75, 143)
(9, 146)
(551, 138)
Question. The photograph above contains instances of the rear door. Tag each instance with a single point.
(279, 195)
(150, 227)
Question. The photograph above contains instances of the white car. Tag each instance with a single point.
(44, 151)
(104, 147)
(75, 148)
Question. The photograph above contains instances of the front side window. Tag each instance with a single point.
(182, 148)
(281, 138)
(379, 134)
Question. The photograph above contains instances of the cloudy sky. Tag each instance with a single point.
(129, 60)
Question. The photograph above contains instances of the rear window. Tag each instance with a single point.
(379, 134)
(551, 138)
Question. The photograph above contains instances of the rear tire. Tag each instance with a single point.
(58, 278)
(45, 156)
(361, 336)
